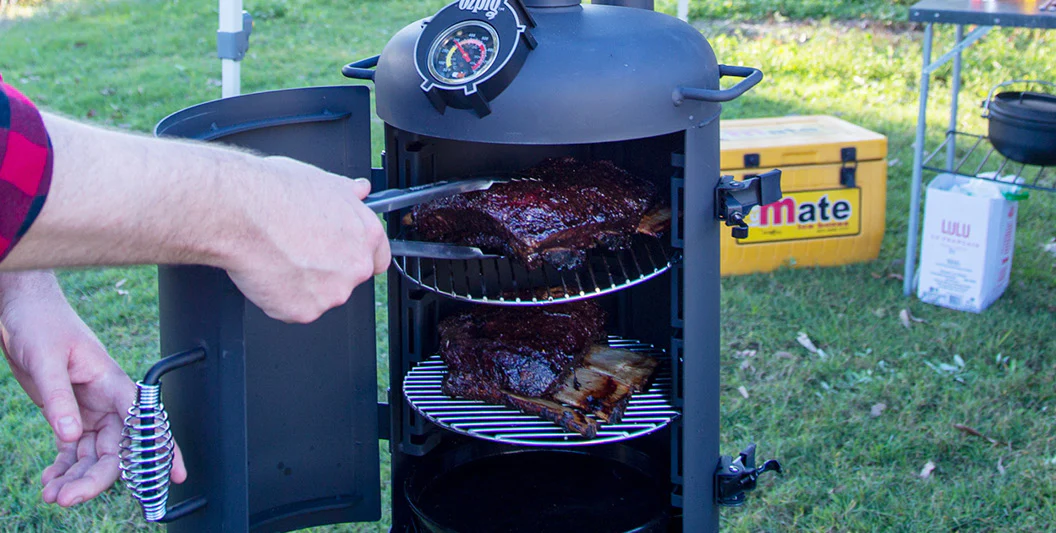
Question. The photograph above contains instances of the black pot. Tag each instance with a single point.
(1023, 126)
(531, 490)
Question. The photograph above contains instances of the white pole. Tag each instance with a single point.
(683, 10)
(230, 70)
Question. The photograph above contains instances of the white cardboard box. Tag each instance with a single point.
(966, 247)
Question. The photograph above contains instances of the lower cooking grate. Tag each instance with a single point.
(647, 412)
(503, 281)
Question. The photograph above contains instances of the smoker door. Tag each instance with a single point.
(279, 424)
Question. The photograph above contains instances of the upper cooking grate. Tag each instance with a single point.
(647, 411)
(503, 281)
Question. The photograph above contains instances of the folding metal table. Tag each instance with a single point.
(975, 154)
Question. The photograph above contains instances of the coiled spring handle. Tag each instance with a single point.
(147, 448)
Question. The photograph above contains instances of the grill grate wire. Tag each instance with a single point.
(648, 411)
(503, 281)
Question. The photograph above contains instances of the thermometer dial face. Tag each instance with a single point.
(464, 52)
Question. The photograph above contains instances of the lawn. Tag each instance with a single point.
(851, 464)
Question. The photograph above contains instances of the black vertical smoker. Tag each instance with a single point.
(279, 424)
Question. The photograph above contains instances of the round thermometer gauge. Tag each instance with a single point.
(463, 52)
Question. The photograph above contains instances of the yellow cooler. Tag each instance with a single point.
(834, 179)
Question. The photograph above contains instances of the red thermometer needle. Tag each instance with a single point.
(463, 50)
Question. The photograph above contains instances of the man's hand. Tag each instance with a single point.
(310, 242)
(66, 371)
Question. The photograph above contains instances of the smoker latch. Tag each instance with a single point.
(735, 199)
(735, 477)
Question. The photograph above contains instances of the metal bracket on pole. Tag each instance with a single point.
(233, 45)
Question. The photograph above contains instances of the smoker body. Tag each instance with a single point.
(279, 424)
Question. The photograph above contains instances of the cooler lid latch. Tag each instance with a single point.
(735, 199)
(848, 166)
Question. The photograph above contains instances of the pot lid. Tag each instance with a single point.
(1034, 106)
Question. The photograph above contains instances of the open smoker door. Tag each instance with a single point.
(278, 424)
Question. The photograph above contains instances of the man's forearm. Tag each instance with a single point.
(114, 199)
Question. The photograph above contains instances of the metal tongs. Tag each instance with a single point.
(393, 199)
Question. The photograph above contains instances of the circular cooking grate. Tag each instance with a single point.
(647, 411)
(503, 281)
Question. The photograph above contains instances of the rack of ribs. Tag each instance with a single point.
(547, 360)
(561, 209)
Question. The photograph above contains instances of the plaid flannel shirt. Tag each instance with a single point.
(25, 165)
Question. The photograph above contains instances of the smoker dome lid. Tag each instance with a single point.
(600, 73)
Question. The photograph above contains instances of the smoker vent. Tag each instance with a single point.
(647, 411)
(503, 281)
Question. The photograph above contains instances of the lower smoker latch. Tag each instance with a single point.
(735, 477)
(735, 199)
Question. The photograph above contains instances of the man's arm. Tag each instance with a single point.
(295, 239)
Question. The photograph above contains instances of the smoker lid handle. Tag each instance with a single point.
(752, 77)
(362, 69)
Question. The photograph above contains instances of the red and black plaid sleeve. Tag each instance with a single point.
(25, 166)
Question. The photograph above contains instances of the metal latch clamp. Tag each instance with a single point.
(735, 199)
(848, 166)
(234, 44)
(735, 477)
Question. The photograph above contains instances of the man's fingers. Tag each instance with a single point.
(60, 405)
(361, 187)
(179, 470)
(66, 457)
(382, 256)
(99, 476)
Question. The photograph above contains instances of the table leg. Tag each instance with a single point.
(918, 159)
(955, 91)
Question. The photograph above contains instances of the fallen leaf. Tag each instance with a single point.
(925, 472)
(80, 44)
(879, 312)
(877, 409)
(968, 430)
(1050, 247)
(91, 113)
(745, 353)
(876, 276)
(743, 391)
(804, 340)
(907, 318)
(893, 275)
(746, 364)
(1000, 467)
(836, 489)
(784, 355)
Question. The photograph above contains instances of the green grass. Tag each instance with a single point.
(795, 9)
(130, 64)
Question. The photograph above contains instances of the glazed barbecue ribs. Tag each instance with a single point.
(561, 209)
(548, 361)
